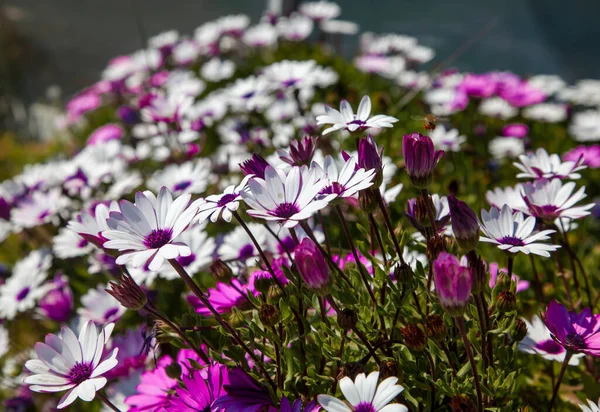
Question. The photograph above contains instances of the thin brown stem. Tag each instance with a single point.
(463, 331)
(561, 374)
(107, 402)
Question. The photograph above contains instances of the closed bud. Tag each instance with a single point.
(312, 267)
(520, 330)
(221, 271)
(274, 293)
(262, 281)
(464, 224)
(173, 370)
(370, 157)
(435, 246)
(367, 201)
(163, 333)
(420, 158)
(256, 166)
(414, 338)
(347, 318)
(388, 368)
(236, 319)
(127, 293)
(452, 284)
(301, 151)
(403, 273)
(503, 281)
(436, 328)
(478, 272)
(462, 403)
(269, 315)
(506, 301)
(421, 210)
(351, 370)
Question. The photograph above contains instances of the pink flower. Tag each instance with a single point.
(155, 390)
(591, 155)
(477, 85)
(223, 298)
(81, 104)
(494, 270)
(452, 283)
(312, 267)
(519, 130)
(104, 134)
(576, 332)
(522, 95)
(420, 158)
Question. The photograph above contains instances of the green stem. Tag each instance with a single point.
(561, 374)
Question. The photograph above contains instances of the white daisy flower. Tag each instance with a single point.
(238, 247)
(364, 395)
(145, 231)
(510, 196)
(90, 224)
(188, 177)
(590, 407)
(497, 107)
(546, 112)
(68, 244)
(76, 364)
(39, 208)
(448, 140)
(340, 27)
(541, 165)
(186, 52)
(550, 199)
(539, 341)
(320, 10)
(216, 70)
(287, 199)
(585, 126)
(548, 83)
(165, 39)
(126, 183)
(99, 306)
(346, 119)
(222, 205)
(26, 286)
(296, 27)
(513, 233)
(289, 74)
(343, 178)
(233, 24)
(248, 94)
(502, 147)
(261, 35)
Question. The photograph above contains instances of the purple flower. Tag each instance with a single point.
(104, 134)
(478, 85)
(244, 394)
(519, 130)
(312, 267)
(128, 115)
(591, 155)
(256, 166)
(84, 102)
(522, 94)
(370, 157)
(464, 224)
(452, 283)
(155, 390)
(287, 406)
(420, 158)
(224, 298)
(576, 332)
(57, 304)
(301, 151)
(201, 390)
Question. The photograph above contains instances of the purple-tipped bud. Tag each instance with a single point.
(301, 151)
(452, 284)
(312, 267)
(420, 158)
(370, 157)
(57, 304)
(464, 224)
(256, 166)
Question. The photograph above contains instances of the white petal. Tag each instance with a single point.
(350, 390)
(331, 404)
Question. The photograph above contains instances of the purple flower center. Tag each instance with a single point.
(549, 210)
(360, 123)
(182, 185)
(511, 240)
(290, 82)
(549, 346)
(80, 372)
(82, 243)
(285, 210)
(22, 294)
(365, 407)
(44, 215)
(110, 313)
(575, 341)
(228, 198)
(158, 238)
(246, 252)
(335, 188)
(248, 95)
(186, 260)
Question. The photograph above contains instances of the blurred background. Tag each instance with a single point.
(49, 49)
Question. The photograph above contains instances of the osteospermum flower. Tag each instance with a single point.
(346, 119)
(320, 10)
(541, 165)
(590, 407)
(99, 306)
(550, 199)
(202, 388)
(513, 233)
(344, 179)
(222, 205)
(539, 341)
(156, 389)
(364, 395)
(76, 364)
(510, 196)
(189, 177)
(39, 208)
(576, 332)
(145, 231)
(287, 199)
(90, 224)
(223, 298)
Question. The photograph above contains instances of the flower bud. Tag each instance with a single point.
(262, 281)
(436, 328)
(520, 330)
(369, 157)
(464, 224)
(435, 246)
(506, 301)
(256, 166)
(403, 273)
(421, 210)
(452, 284)
(269, 315)
(367, 201)
(347, 318)
(478, 272)
(236, 319)
(163, 333)
(301, 151)
(173, 370)
(221, 271)
(312, 267)
(57, 304)
(420, 158)
(388, 368)
(414, 338)
(274, 293)
(128, 293)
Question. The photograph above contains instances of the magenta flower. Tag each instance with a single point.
(255, 166)
(349, 259)
(590, 154)
(371, 157)
(452, 283)
(519, 130)
(57, 304)
(201, 390)
(104, 134)
(576, 332)
(312, 267)
(224, 298)
(244, 393)
(420, 158)
(522, 94)
(478, 85)
(465, 225)
(301, 151)
(130, 356)
(155, 390)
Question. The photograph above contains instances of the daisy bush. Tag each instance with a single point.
(245, 220)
